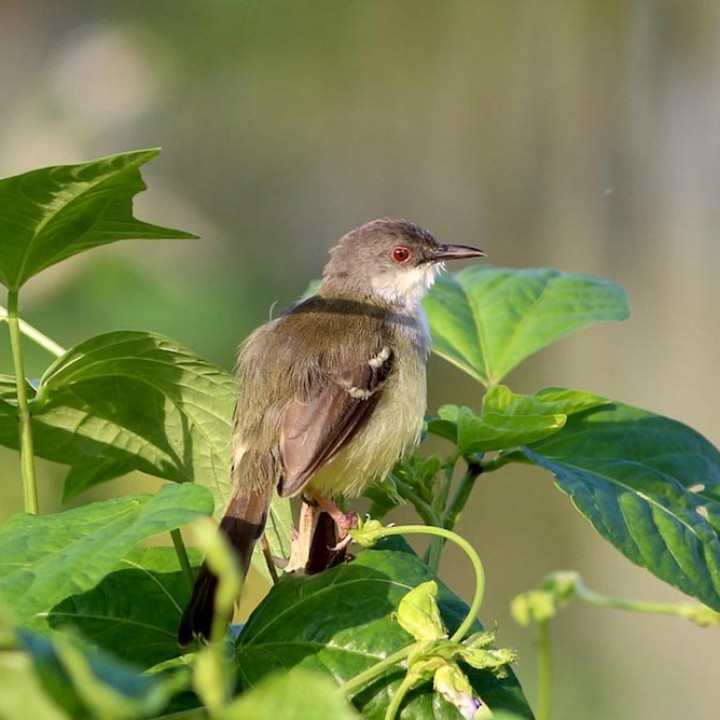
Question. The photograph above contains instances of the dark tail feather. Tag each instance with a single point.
(243, 525)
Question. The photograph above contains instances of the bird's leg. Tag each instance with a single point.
(345, 521)
(301, 540)
(318, 545)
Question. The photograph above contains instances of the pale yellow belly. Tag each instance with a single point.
(393, 428)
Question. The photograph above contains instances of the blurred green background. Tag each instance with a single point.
(580, 134)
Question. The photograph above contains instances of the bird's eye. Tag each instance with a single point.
(401, 254)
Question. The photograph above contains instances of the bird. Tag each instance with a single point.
(332, 392)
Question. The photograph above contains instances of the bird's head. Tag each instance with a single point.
(394, 260)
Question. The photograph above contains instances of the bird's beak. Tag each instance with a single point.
(455, 252)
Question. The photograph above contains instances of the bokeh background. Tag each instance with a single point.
(580, 134)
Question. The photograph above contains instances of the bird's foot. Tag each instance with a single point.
(343, 544)
(344, 521)
(317, 544)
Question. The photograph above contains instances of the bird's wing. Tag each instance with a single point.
(315, 430)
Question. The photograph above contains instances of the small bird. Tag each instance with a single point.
(333, 391)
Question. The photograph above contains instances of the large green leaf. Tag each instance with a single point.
(22, 694)
(649, 485)
(144, 401)
(341, 622)
(548, 401)
(133, 401)
(127, 401)
(134, 611)
(294, 695)
(492, 431)
(138, 401)
(488, 320)
(48, 215)
(8, 401)
(508, 419)
(45, 559)
(59, 678)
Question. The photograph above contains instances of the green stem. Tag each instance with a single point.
(436, 545)
(544, 670)
(354, 685)
(433, 553)
(442, 498)
(425, 510)
(462, 494)
(468, 549)
(430, 517)
(504, 458)
(686, 610)
(394, 706)
(182, 555)
(456, 506)
(35, 335)
(27, 454)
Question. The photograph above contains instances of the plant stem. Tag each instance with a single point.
(468, 549)
(35, 335)
(686, 610)
(504, 458)
(462, 494)
(181, 552)
(441, 501)
(352, 686)
(430, 517)
(436, 545)
(27, 454)
(425, 510)
(544, 670)
(456, 506)
(433, 553)
(398, 697)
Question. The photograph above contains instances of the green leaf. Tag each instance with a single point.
(23, 695)
(548, 401)
(135, 610)
(59, 677)
(496, 431)
(277, 534)
(294, 695)
(422, 476)
(142, 400)
(127, 401)
(488, 320)
(84, 475)
(8, 401)
(341, 622)
(383, 495)
(649, 485)
(107, 688)
(50, 214)
(46, 559)
(6, 408)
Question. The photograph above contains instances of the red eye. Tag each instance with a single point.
(401, 254)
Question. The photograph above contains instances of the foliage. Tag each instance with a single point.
(88, 619)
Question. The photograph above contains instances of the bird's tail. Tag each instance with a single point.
(243, 525)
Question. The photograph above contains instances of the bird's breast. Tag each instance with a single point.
(393, 427)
